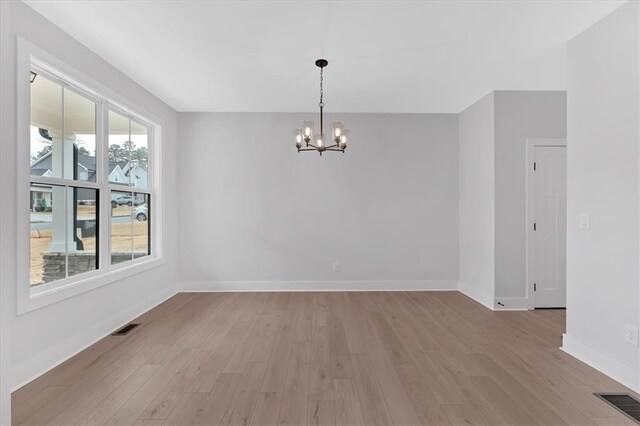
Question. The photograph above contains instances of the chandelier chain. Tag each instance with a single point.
(321, 104)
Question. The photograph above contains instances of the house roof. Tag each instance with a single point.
(42, 165)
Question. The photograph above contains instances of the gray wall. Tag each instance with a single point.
(36, 341)
(518, 115)
(476, 201)
(602, 263)
(256, 210)
(492, 153)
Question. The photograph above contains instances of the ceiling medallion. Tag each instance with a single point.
(339, 134)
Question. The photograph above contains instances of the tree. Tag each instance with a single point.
(140, 156)
(44, 151)
(117, 153)
(129, 146)
(83, 151)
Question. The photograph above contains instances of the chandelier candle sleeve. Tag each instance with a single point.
(337, 128)
(344, 137)
(308, 130)
(316, 141)
(297, 133)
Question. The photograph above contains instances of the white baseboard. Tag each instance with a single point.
(275, 286)
(36, 366)
(475, 294)
(511, 304)
(619, 371)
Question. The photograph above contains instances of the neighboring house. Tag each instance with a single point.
(119, 174)
(137, 175)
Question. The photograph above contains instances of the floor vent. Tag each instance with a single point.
(624, 403)
(125, 330)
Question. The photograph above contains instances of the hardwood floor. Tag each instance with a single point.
(325, 358)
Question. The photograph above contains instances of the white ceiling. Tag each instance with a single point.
(383, 56)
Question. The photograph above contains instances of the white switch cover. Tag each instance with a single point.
(585, 221)
(631, 334)
(336, 267)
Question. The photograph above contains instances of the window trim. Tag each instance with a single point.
(29, 56)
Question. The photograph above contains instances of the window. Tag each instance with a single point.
(91, 187)
(128, 169)
(64, 219)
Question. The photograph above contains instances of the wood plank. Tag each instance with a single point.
(461, 414)
(321, 413)
(294, 400)
(135, 406)
(246, 394)
(220, 400)
(101, 413)
(347, 406)
(395, 394)
(187, 408)
(59, 402)
(24, 407)
(267, 409)
(176, 387)
(372, 402)
(279, 360)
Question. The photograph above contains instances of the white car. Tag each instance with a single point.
(141, 213)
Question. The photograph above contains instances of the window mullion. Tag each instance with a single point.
(131, 189)
(102, 142)
(66, 190)
(48, 180)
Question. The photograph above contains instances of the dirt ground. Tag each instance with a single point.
(121, 234)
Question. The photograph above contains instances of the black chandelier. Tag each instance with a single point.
(316, 142)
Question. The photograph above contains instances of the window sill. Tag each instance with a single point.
(48, 294)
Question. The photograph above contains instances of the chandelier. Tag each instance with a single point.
(316, 142)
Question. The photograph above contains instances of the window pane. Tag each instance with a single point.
(121, 226)
(46, 128)
(141, 226)
(119, 147)
(82, 248)
(58, 252)
(47, 260)
(138, 170)
(80, 135)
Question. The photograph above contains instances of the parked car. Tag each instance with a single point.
(125, 199)
(141, 213)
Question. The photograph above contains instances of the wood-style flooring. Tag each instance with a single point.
(325, 358)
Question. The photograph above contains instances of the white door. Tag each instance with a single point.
(550, 226)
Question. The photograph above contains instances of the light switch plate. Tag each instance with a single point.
(585, 221)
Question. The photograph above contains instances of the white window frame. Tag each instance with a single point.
(28, 57)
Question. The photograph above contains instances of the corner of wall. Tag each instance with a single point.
(36, 366)
(626, 374)
(476, 294)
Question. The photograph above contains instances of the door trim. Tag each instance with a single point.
(531, 144)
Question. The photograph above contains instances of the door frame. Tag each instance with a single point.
(531, 144)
